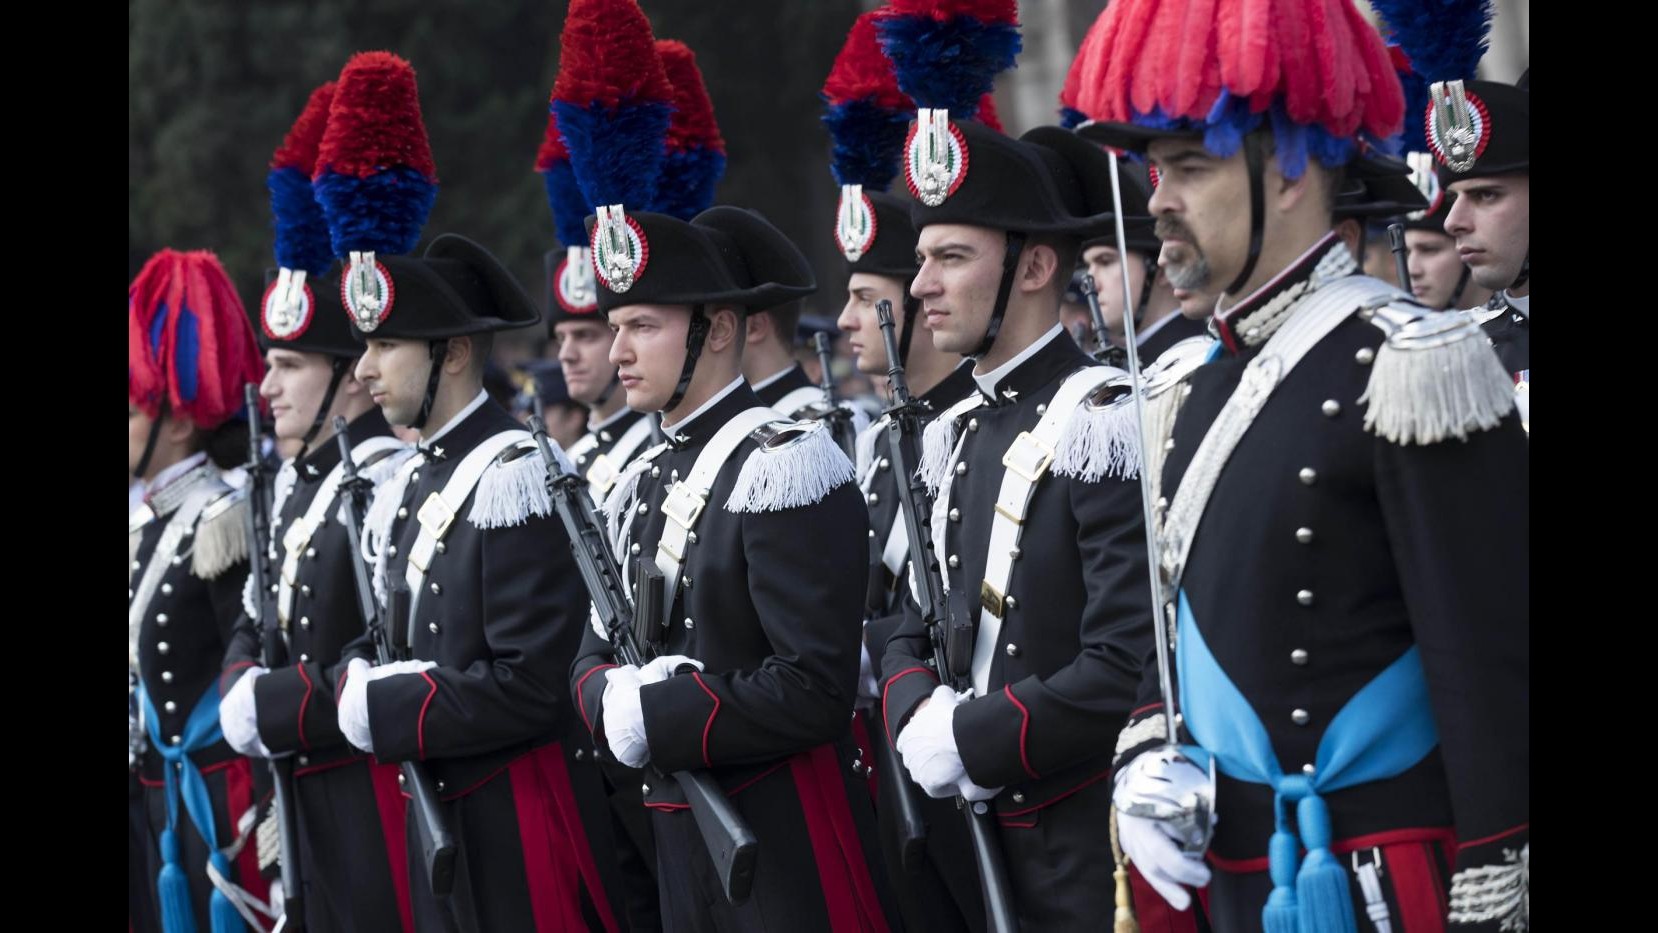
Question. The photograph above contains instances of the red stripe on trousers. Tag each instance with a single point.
(1416, 886)
(556, 856)
(848, 891)
(238, 797)
(388, 799)
(1155, 914)
(557, 774)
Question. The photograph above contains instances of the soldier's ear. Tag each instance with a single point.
(728, 326)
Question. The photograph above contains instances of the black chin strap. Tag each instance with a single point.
(435, 349)
(694, 337)
(1257, 212)
(149, 448)
(609, 389)
(912, 309)
(1462, 283)
(1525, 273)
(1146, 285)
(1010, 265)
(342, 365)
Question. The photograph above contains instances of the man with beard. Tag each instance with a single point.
(1158, 321)
(1333, 661)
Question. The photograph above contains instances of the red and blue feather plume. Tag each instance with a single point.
(947, 53)
(696, 151)
(190, 346)
(866, 114)
(1314, 70)
(374, 172)
(301, 231)
(613, 102)
(1439, 40)
(564, 196)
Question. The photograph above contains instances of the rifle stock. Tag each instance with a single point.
(731, 844)
(952, 641)
(273, 654)
(431, 823)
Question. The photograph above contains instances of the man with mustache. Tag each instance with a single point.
(1158, 323)
(1356, 689)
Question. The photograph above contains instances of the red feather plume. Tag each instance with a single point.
(225, 354)
(374, 122)
(609, 55)
(552, 145)
(985, 11)
(693, 123)
(862, 70)
(299, 147)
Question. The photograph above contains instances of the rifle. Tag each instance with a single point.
(437, 841)
(952, 639)
(1401, 264)
(731, 843)
(840, 420)
(273, 654)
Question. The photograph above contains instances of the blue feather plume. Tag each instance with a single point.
(569, 207)
(1445, 39)
(384, 212)
(950, 64)
(301, 230)
(868, 142)
(615, 152)
(689, 178)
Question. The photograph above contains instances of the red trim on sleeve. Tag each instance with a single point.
(1493, 838)
(1024, 732)
(708, 726)
(388, 800)
(581, 702)
(331, 765)
(420, 725)
(1052, 800)
(303, 702)
(228, 671)
(1145, 709)
(672, 807)
(885, 690)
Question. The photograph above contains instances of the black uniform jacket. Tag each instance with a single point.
(1324, 554)
(501, 613)
(770, 603)
(1067, 660)
(295, 704)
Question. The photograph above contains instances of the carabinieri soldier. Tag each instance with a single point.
(1332, 656)
(350, 812)
(1158, 323)
(760, 536)
(190, 355)
(473, 572)
(1480, 131)
(873, 232)
(1037, 518)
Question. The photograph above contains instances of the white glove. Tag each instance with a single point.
(238, 718)
(1160, 860)
(1147, 841)
(928, 747)
(624, 720)
(973, 792)
(353, 705)
(662, 668)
